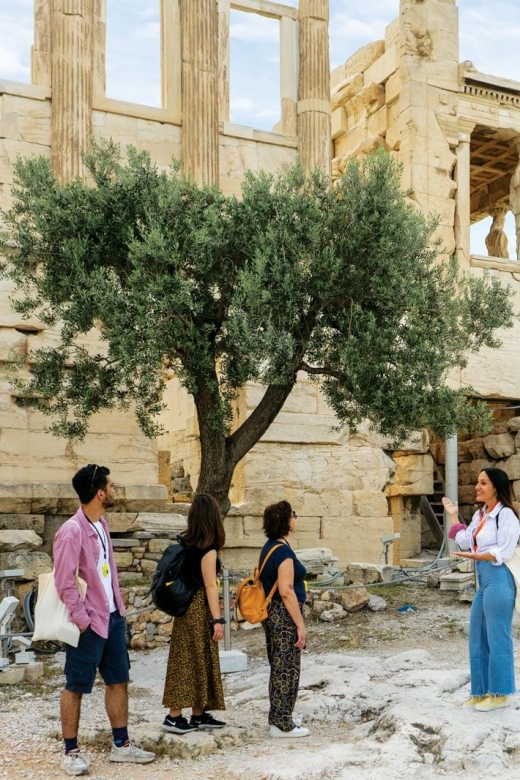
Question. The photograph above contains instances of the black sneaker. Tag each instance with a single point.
(206, 721)
(177, 725)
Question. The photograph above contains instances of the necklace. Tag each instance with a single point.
(104, 568)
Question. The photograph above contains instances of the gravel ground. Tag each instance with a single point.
(336, 701)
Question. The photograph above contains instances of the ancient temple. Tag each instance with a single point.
(455, 131)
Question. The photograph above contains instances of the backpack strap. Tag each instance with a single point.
(271, 593)
(271, 551)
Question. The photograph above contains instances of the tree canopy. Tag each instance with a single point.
(342, 282)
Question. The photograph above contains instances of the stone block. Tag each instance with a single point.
(363, 573)
(34, 523)
(33, 671)
(369, 504)
(513, 424)
(232, 661)
(19, 540)
(145, 498)
(33, 563)
(159, 545)
(354, 599)
(413, 476)
(500, 446)
(381, 70)
(13, 345)
(123, 559)
(148, 567)
(364, 57)
(121, 522)
(476, 448)
(161, 523)
(13, 675)
(512, 467)
(15, 499)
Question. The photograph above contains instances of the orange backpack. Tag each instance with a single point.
(251, 599)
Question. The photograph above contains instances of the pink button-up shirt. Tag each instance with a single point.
(77, 543)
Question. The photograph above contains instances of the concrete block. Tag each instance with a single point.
(232, 661)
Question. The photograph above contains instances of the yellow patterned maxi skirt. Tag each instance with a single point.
(193, 671)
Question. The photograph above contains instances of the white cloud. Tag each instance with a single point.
(241, 104)
(253, 28)
(16, 38)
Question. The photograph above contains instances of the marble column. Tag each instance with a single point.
(72, 85)
(200, 89)
(463, 196)
(314, 108)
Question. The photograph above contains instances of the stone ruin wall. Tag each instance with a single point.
(349, 490)
(335, 481)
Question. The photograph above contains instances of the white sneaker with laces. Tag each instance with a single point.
(297, 731)
(75, 764)
(130, 753)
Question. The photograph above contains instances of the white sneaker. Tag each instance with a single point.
(130, 753)
(297, 731)
(75, 764)
(297, 721)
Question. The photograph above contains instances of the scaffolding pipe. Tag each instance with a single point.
(451, 479)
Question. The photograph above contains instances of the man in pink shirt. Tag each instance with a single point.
(83, 543)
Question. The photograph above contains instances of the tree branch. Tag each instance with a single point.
(318, 370)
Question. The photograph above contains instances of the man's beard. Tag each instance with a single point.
(108, 502)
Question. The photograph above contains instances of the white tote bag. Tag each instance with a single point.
(51, 616)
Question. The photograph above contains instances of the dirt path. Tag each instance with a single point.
(379, 691)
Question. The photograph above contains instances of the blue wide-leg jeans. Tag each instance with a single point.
(490, 632)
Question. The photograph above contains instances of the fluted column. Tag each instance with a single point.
(200, 89)
(314, 129)
(72, 85)
(463, 194)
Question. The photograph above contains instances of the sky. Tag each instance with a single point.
(489, 37)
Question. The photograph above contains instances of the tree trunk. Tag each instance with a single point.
(220, 454)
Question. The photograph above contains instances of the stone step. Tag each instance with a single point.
(456, 580)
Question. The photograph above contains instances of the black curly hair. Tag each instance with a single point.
(277, 518)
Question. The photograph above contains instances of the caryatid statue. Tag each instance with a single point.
(496, 240)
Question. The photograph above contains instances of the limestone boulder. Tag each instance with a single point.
(501, 446)
(335, 612)
(476, 448)
(354, 599)
(512, 467)
(513, 424)
(376, 604)
(19, 540)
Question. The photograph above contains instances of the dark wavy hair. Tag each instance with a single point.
(277, 518)
(502, 485)
(88, 480)
(205, 526)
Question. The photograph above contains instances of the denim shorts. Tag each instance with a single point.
(94, 652)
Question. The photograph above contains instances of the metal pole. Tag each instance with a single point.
(227, 609)
(451, 482)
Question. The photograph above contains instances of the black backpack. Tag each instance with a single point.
(172, 589)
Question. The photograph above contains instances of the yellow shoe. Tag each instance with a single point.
(492, 703)
(473, 701)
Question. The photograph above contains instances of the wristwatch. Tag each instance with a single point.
(217, 620)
